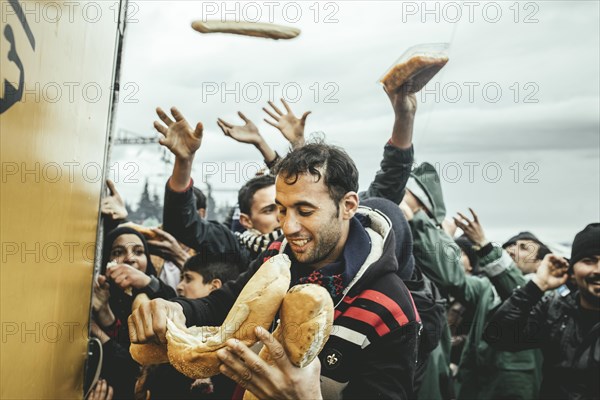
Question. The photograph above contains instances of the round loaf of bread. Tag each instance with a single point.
(192, 351)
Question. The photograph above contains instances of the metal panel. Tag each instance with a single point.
(57, 69)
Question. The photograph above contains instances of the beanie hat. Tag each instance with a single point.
(466, 245)
(424, 183)
(586, 243)
(526, 235)
(402, 234)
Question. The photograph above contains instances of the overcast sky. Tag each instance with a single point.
(511, 122)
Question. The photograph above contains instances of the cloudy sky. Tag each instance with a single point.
(511, 123)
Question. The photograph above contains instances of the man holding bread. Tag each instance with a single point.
(331, 242)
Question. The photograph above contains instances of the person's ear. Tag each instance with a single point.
(202, 212)
(246, 221)
(216, 284)
(349, 205)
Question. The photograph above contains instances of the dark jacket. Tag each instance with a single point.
(118, 368)
(181, 219)
(554, 324)
(484, 372)
(390, 180)
(372, 350)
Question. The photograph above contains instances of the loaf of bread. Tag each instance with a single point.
(306, 319)
(192, 351)
(257, 29)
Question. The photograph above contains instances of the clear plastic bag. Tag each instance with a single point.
(415, 67)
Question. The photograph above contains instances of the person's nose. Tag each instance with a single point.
(290, 225)
(129, 257)
(180, 287)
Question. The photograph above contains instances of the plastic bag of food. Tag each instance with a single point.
(415, 67)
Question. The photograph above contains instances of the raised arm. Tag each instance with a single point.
(398, 155)
(288, 124)
(248, 133)
(439, 258)
(183, 142)
(520, 323)
(180, 217)
(494, 261)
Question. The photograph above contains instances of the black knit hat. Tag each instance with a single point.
(521, 236)
(525, 235)
(466, 245)
(586, 243)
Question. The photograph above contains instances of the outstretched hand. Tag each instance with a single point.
(471, 228)
(282, 380)
(288, 124)
(113, 205)
(247, 133)
(168, 248)
(403, 103)
(178, 135)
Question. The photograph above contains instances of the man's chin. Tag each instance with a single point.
(591, 296)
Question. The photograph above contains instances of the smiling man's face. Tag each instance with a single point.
(587, 276)
(312, 223)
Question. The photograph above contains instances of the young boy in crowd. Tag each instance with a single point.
(201, 274)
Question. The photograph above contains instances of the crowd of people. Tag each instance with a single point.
(420, 311)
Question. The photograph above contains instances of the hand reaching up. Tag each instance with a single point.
(472, 228)
(288, 124)
(113, 205)
(178, 135)
(247, 133)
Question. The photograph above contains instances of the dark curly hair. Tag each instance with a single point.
(331, 163)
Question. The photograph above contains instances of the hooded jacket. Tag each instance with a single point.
(372, 350)
(554, 324)
(483, 371)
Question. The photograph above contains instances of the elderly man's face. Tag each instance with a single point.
(524, 254)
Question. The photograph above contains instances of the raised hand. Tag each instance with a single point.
(551, 273)
(282, 380)
(247, 133)
(100, 304)
(288, 124)
(402, 102)
(405, 108)
(101, 293)
(178, 135)
(168, 248)
(113, 205)
(472, 228)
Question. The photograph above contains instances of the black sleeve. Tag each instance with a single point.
(390, 180)
(119, 369)
(520, 322)
(387, 368)
(181, 219)
(157, 289)
(212, 310)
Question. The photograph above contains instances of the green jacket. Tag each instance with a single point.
(484, 373)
